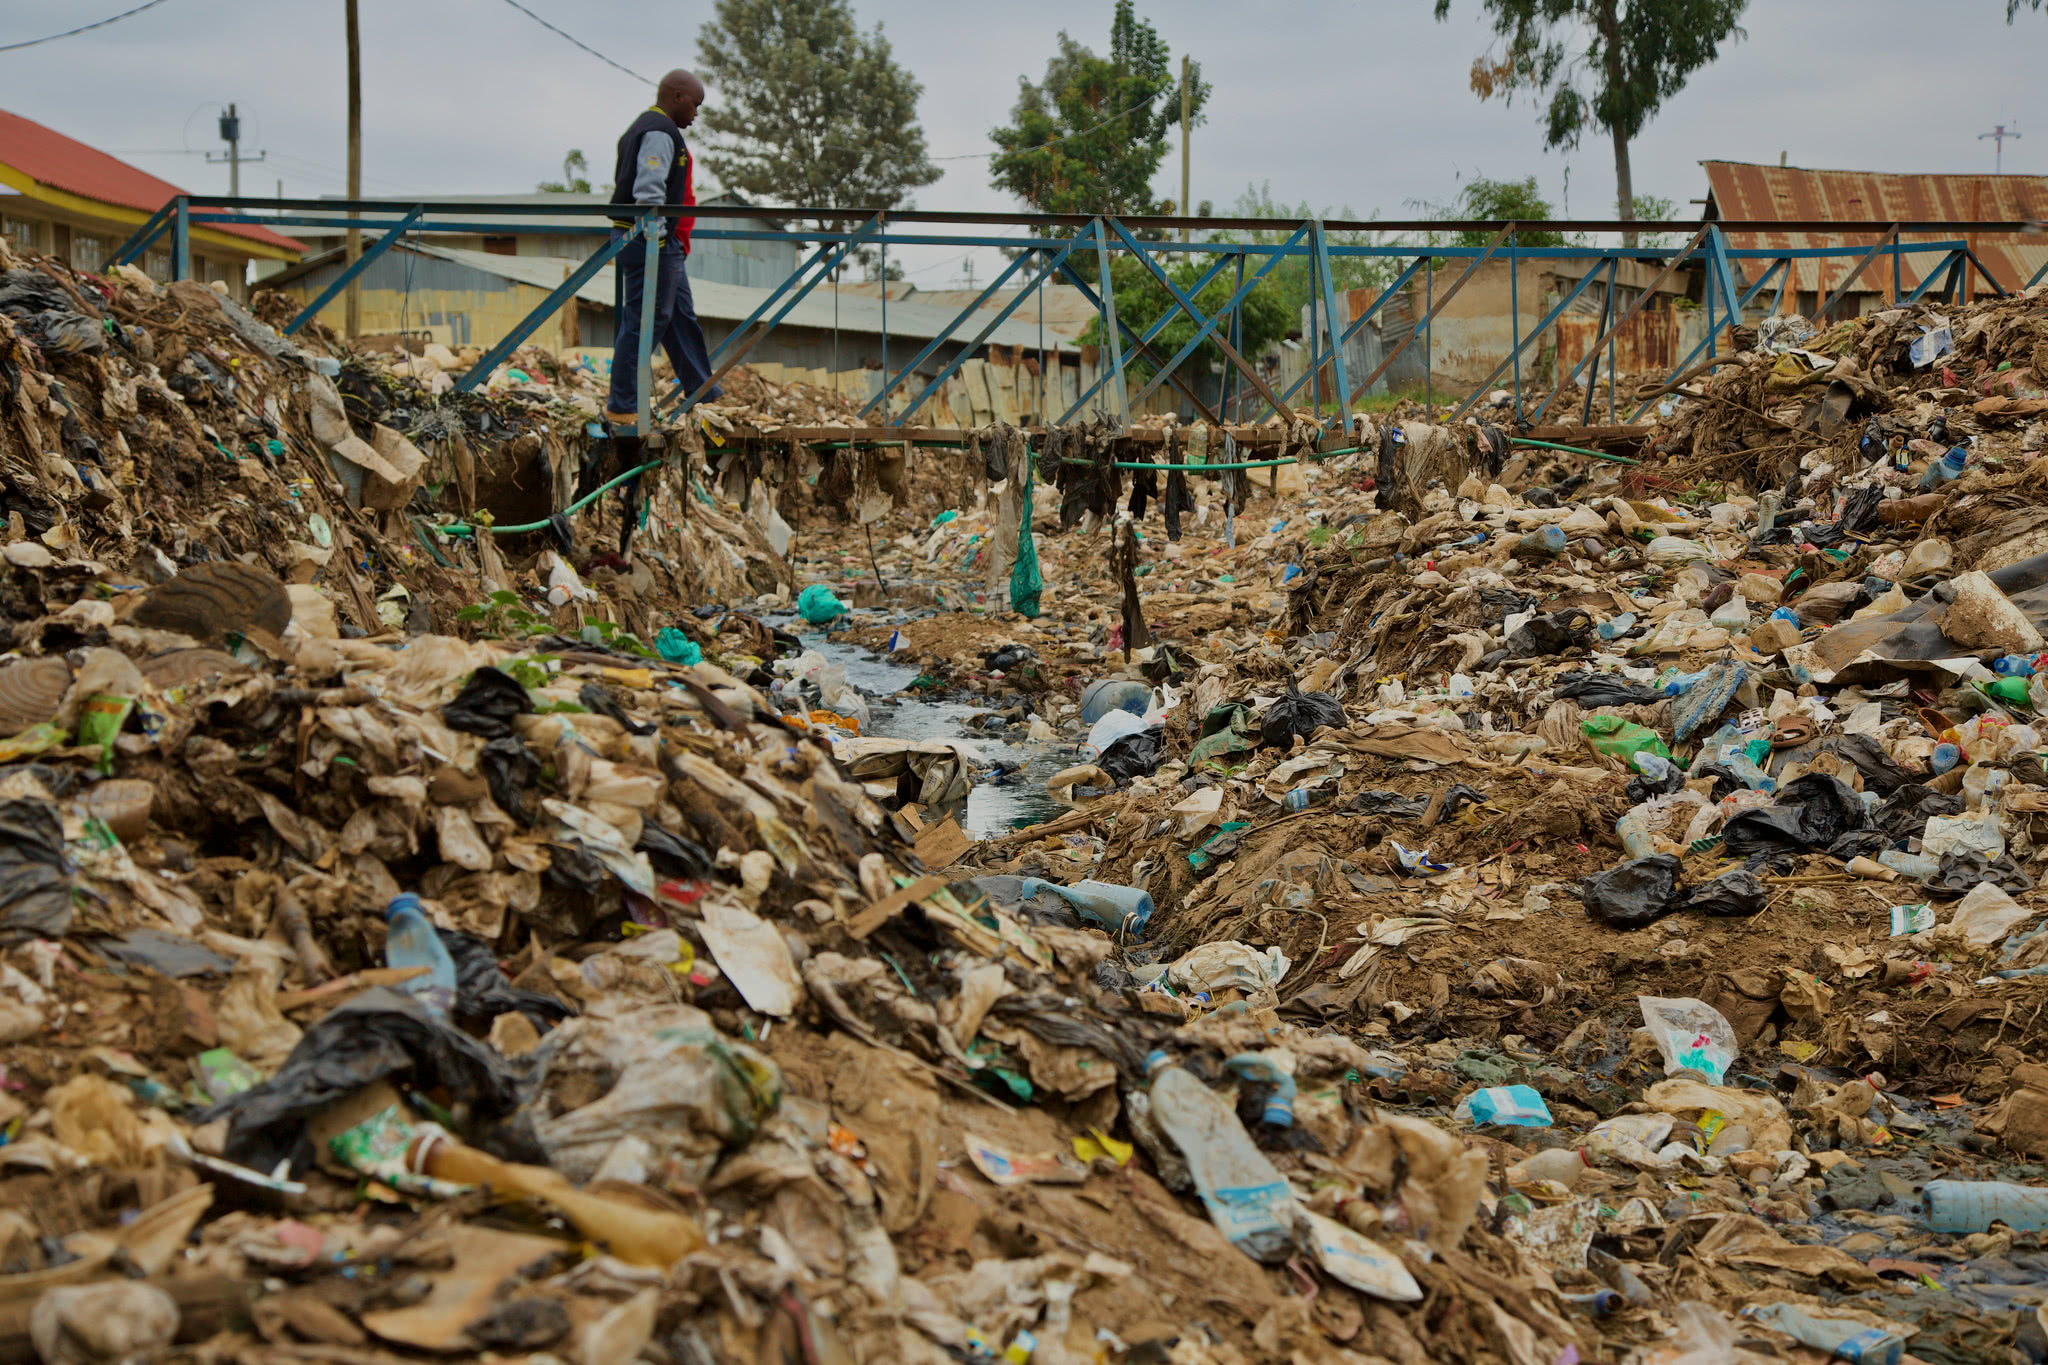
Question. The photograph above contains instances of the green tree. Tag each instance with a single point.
(1607, 64)
(1091, 135)
(1494, 201)
(1141, 299)
(2012, 7)
(807, 110)
(1652, 208)
(575, 178)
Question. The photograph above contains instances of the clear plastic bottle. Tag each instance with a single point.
(410, 941)
(1247, 1199)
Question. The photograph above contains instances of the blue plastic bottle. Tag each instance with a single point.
(2014, 666)
(1949, 466)
(410, 941)
(1119, 909)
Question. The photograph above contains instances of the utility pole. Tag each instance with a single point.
(1998, 134)
(353, 313)
(1187, 117)
(231, 133)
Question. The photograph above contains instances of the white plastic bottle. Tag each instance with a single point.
(1247, 1199)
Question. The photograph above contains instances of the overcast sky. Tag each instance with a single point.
(1358, 104)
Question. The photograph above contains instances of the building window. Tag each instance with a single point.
(502, 246)
(27, 233)
(88, 252)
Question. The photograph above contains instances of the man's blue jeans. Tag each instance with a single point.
(676, 329)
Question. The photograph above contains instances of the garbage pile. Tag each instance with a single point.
(1484, 902)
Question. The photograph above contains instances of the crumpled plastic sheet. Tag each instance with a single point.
(35, 881)
(487, 704)
(1812, 812)
(1633, 894)
(382, 1034)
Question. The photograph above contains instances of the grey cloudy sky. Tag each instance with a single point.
(1361, 104)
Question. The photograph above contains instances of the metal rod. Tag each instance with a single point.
(181, 239)
(1535, 333)
(1141, 222)
(350, 272)
(1634, 308)
(1153, 329)
(139, 240)
(1515, 322)
(1856, 272)
(1232, 307)
(1387, 362)
(1612, 264)
(1110, 331)
(562, 292)
(1187, 306)
(1339, 371)
(650, 292)
(989, 330)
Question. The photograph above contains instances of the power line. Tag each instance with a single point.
(83, 28)
(578, 42)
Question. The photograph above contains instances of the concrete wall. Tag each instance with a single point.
(758, 265)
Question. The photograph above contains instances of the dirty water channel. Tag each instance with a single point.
(1009, 790)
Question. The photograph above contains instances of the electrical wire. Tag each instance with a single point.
(578, 42)
(83, 28)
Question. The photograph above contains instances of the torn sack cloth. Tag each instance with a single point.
(1178, 498)
(1082, 464)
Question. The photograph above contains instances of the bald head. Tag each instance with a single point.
(679, 96)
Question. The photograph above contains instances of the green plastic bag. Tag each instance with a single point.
(1025, 583)
(677, 647)
(818, 605)
(1622, 739)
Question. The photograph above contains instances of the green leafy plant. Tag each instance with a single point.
(611, 633)
(505, 616)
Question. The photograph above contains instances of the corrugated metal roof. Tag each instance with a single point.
(48, 157)
(1744, 191)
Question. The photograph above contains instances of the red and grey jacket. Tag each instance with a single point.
(655, 167)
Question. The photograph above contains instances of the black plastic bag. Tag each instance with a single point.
(1387, 803)
(1554, 634)
(487, 704)
(1641, 788)
(1812, 812)
(162, 951)
(1135, 755)
(1299, 713)
(511, 770)
(1905, 813)
(382, 1034)
(1881, 773)
(35, 880)
(482, 993)
(1960, 873)
(1726, 782)
(671, 855)
(1594, 690)
(1732, 894)
(1859, 843)
(1859, 514)
(1632, 894)
(598, 700)
(1009, 658)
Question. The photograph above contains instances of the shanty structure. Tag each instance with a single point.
(1747, 193)
(60, 196)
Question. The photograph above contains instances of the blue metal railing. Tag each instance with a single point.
(1047, 252)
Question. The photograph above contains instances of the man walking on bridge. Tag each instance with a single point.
(655, 167)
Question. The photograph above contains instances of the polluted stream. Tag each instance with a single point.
(1009, 788)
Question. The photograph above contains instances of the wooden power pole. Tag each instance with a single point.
(354, 307)
(1187, 117)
